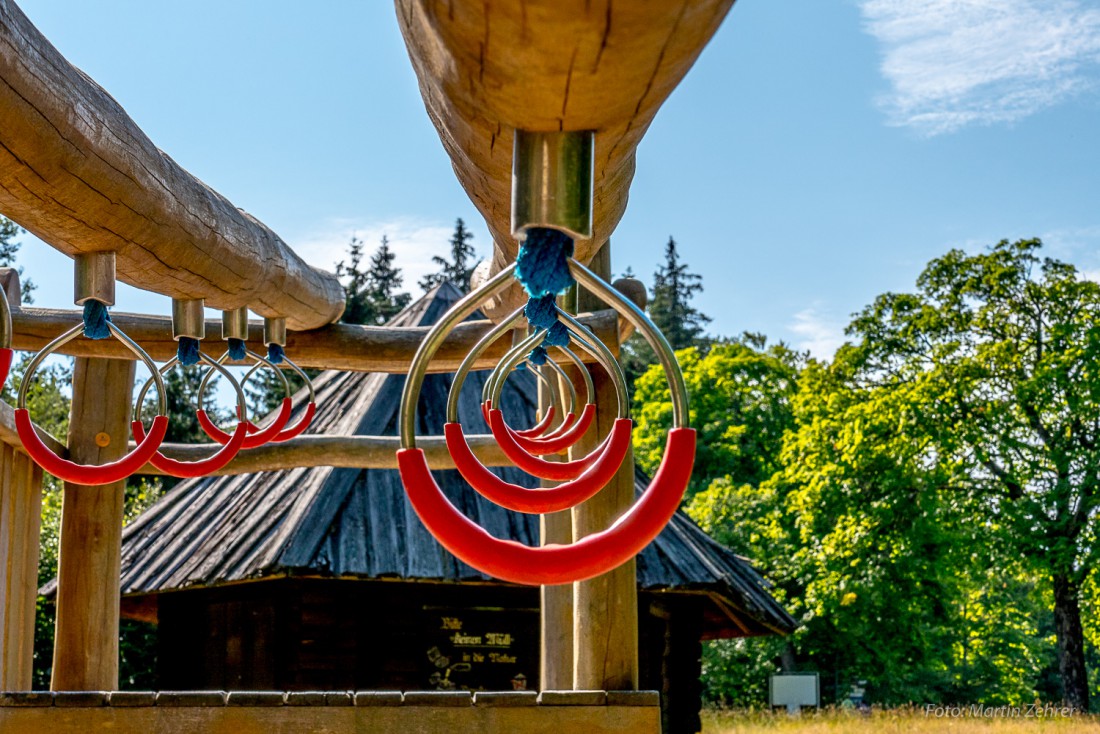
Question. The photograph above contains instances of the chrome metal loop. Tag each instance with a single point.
(203, 359)
(637, 318)
(68, 336)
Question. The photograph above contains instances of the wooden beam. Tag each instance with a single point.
(78, 173)
(85, 656)
(336, 347)
(20, 523)
(486, 69)
(353, 452)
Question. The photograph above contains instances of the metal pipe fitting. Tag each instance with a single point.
(94, 278)
(235, 324)
(188, 318)
(552, 181)
(275, 331)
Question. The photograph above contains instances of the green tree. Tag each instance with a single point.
(741, 394)
(998, 351)
(372, 296)
(670, 309)
(460, 267)
(9, 230)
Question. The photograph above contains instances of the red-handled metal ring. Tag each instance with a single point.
(554, 443)
(200, 468)
(539, 467)
(552, 564)
(259, 438)
(88, 474)
(541, 499)
(5, 363)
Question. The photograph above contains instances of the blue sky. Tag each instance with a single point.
(819, 153)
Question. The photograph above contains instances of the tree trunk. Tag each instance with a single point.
(1071, 643)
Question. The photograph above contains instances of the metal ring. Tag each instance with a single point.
(68, 336)
(637, 318)
(259, 362)
(419, 368)
(203, 359)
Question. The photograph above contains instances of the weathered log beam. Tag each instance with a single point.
(78, 173)
(486, 69)
(334, 347)
(353, 452)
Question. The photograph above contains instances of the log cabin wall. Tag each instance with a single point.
(323, 634)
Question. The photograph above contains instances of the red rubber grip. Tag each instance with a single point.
(552, 564)
(540, 499)
(5, 364)
(87, 474)
(200, 468)
(288, 433)
(537, 430)
(553, 443)
(259, 438)
(556, 470)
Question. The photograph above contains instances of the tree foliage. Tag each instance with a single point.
(459, 267)
(670, 309)
(372, 295)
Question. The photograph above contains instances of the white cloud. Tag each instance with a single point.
(821, 334)
(952, 63)
(413, 241)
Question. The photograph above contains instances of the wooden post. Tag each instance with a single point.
(556, 632)
(605, 609)
(20, 519)
(85, 656)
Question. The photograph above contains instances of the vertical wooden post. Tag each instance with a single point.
(20, 521)
(556, 632)
(85, 656)
(605, 609)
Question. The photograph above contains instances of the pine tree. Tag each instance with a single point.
(382, 282)
(357, 304)
(670, 309)
(460, 267)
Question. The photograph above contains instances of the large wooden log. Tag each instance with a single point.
(77, 172)
(85, 656)
(487, 68)
(335, 347)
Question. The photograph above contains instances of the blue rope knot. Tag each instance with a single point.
(557, 335)
(237, 350)
(542, 265)
(542, 312)
(188, 351)
(538, 356)
(275, 353)
(95, 320)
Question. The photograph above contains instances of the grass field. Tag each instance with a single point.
(894, 721)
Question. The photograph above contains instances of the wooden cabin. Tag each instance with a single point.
(324, 578)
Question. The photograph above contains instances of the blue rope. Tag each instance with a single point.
(188, 351)
(542, 265)
(236, 349)
(95, 320)
(274, 354)
(557, 336)
(542, 313)
(538, 355)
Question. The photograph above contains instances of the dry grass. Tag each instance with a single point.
(893, 721)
